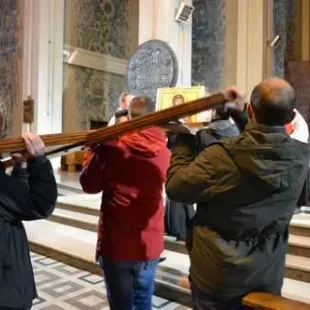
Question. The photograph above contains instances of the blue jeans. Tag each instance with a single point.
(130, 285)
(204, 301)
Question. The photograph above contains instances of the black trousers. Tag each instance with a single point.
(8, 308)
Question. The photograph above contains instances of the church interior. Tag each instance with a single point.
(64, 65)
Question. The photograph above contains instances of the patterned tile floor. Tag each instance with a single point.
(62, 287)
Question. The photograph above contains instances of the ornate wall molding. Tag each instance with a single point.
(93, 60)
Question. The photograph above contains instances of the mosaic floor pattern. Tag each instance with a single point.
(62, 287)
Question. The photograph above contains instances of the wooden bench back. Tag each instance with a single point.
(267, 301)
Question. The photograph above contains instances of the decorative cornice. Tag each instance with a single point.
(88, 59)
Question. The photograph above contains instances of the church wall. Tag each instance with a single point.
(10, 59)
(105, 27)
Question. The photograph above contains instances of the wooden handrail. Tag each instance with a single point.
(266, 301)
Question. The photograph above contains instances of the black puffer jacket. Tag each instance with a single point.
(246, 188)
(26, 195)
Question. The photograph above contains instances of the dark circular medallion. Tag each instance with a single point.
(153, 65)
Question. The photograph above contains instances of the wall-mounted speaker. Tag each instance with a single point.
(184, 12)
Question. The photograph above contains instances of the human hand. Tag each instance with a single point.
(34, 145)
(233, 94)
(235, 97)
(19, 159)
(122, 119)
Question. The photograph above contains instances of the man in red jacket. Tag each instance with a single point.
(131, 172)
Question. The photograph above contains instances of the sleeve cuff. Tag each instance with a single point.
(38, 160)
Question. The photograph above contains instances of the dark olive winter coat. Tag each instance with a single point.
(246, 188)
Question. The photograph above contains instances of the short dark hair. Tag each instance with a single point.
(273, 102)
(141, 105)
(121, 113)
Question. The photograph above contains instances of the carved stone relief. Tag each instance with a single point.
(153, 65)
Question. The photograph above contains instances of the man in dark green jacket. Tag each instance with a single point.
(246, 188)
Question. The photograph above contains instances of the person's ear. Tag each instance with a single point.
(292, 116)
(250, 112)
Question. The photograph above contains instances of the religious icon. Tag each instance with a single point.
(178, 99)
(172, 96)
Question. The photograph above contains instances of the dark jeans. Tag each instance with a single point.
(130, 285)
(203, 301)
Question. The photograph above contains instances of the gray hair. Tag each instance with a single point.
(140, 105)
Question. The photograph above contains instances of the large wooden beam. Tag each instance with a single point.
(109, 133)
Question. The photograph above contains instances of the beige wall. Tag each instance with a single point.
(156, 21)
(70, 118)
(302, 30)
(247, 56)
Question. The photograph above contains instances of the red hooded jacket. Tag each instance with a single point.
(131, 172)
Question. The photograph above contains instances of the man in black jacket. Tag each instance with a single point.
(29, 193)
(222, 126)
(246, 188)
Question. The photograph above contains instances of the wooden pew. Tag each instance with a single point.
(265, 301)
(262, 301)
(72, 162)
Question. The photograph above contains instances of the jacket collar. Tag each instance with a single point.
(265, 129)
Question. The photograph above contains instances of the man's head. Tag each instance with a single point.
(177, 99)
(125, 99)
(140, 105)
(272, 103)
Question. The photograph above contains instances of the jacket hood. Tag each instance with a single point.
(224, 128)
(268, 157)
(147, 142)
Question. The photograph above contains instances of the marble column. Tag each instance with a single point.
(10, 67)
(284, 12)
(156, 21)
(209, 29)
